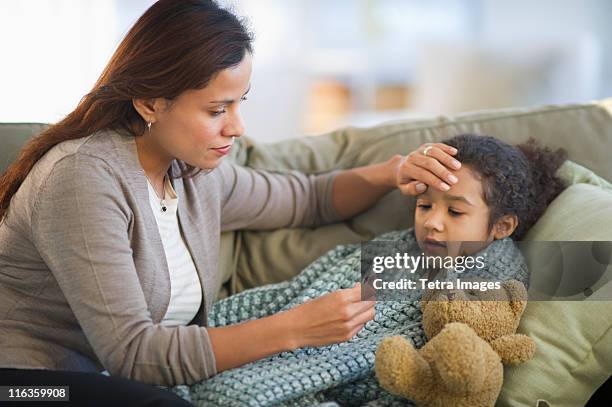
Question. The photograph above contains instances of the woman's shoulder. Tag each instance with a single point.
(99, 146)
(70, 168)
(91, 161)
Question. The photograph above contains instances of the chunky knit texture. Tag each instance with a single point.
(341, 372)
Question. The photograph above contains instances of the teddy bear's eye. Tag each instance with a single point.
(472, 292)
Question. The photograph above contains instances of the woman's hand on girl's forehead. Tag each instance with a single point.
(429, 165)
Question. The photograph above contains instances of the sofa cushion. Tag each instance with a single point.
(583, 211)
(573, 341)
(573, 338)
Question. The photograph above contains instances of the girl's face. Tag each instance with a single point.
(457, 219)
(197, 127)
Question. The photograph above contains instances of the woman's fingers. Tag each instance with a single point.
(356, 306)
(359, 320)
(412, 188)
(353, 298)
(432, 169)
(356, 330)
(444, 154)
(421, 172)
(445, 147)
(353, 294)
(431, 164)
(360, 307)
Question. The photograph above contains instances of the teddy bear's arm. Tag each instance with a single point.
(514, 349)
(402, 370)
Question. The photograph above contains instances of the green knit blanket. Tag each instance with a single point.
(342, 372)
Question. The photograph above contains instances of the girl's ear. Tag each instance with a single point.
(504, 226)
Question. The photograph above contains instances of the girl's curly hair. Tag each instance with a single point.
(519, 180)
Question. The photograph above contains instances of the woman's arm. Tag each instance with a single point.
(357, 189)
(258, 199)
(236, 345)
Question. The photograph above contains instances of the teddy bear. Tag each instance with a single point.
(471, 334)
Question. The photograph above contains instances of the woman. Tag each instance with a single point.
(109, 239)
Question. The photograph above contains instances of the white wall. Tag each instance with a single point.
(52, 53)
(54, 50)
(569, 21)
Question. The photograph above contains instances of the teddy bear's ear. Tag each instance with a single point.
(518, 295)
(428, 294)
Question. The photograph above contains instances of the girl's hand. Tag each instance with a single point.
(332, 318)
(417, 170)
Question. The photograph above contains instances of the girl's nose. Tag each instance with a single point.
(434, 222)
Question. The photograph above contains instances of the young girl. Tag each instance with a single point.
(501, 192)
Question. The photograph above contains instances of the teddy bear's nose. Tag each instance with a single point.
(450, 295)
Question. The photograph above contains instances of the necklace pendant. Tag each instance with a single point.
(163, 206)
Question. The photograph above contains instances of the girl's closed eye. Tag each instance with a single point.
(451, 211)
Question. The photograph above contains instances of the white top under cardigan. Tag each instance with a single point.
(185, 286)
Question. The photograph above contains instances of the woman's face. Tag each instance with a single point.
(198, 126)
(454, 217)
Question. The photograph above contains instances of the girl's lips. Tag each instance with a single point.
(434, 247)
(435, 242)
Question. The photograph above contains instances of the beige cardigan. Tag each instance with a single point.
(84, 281)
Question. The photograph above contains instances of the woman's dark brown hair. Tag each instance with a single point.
(519, 180)
(176, 45)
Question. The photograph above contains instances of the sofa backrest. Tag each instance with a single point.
(585, 130)
(12, 138)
